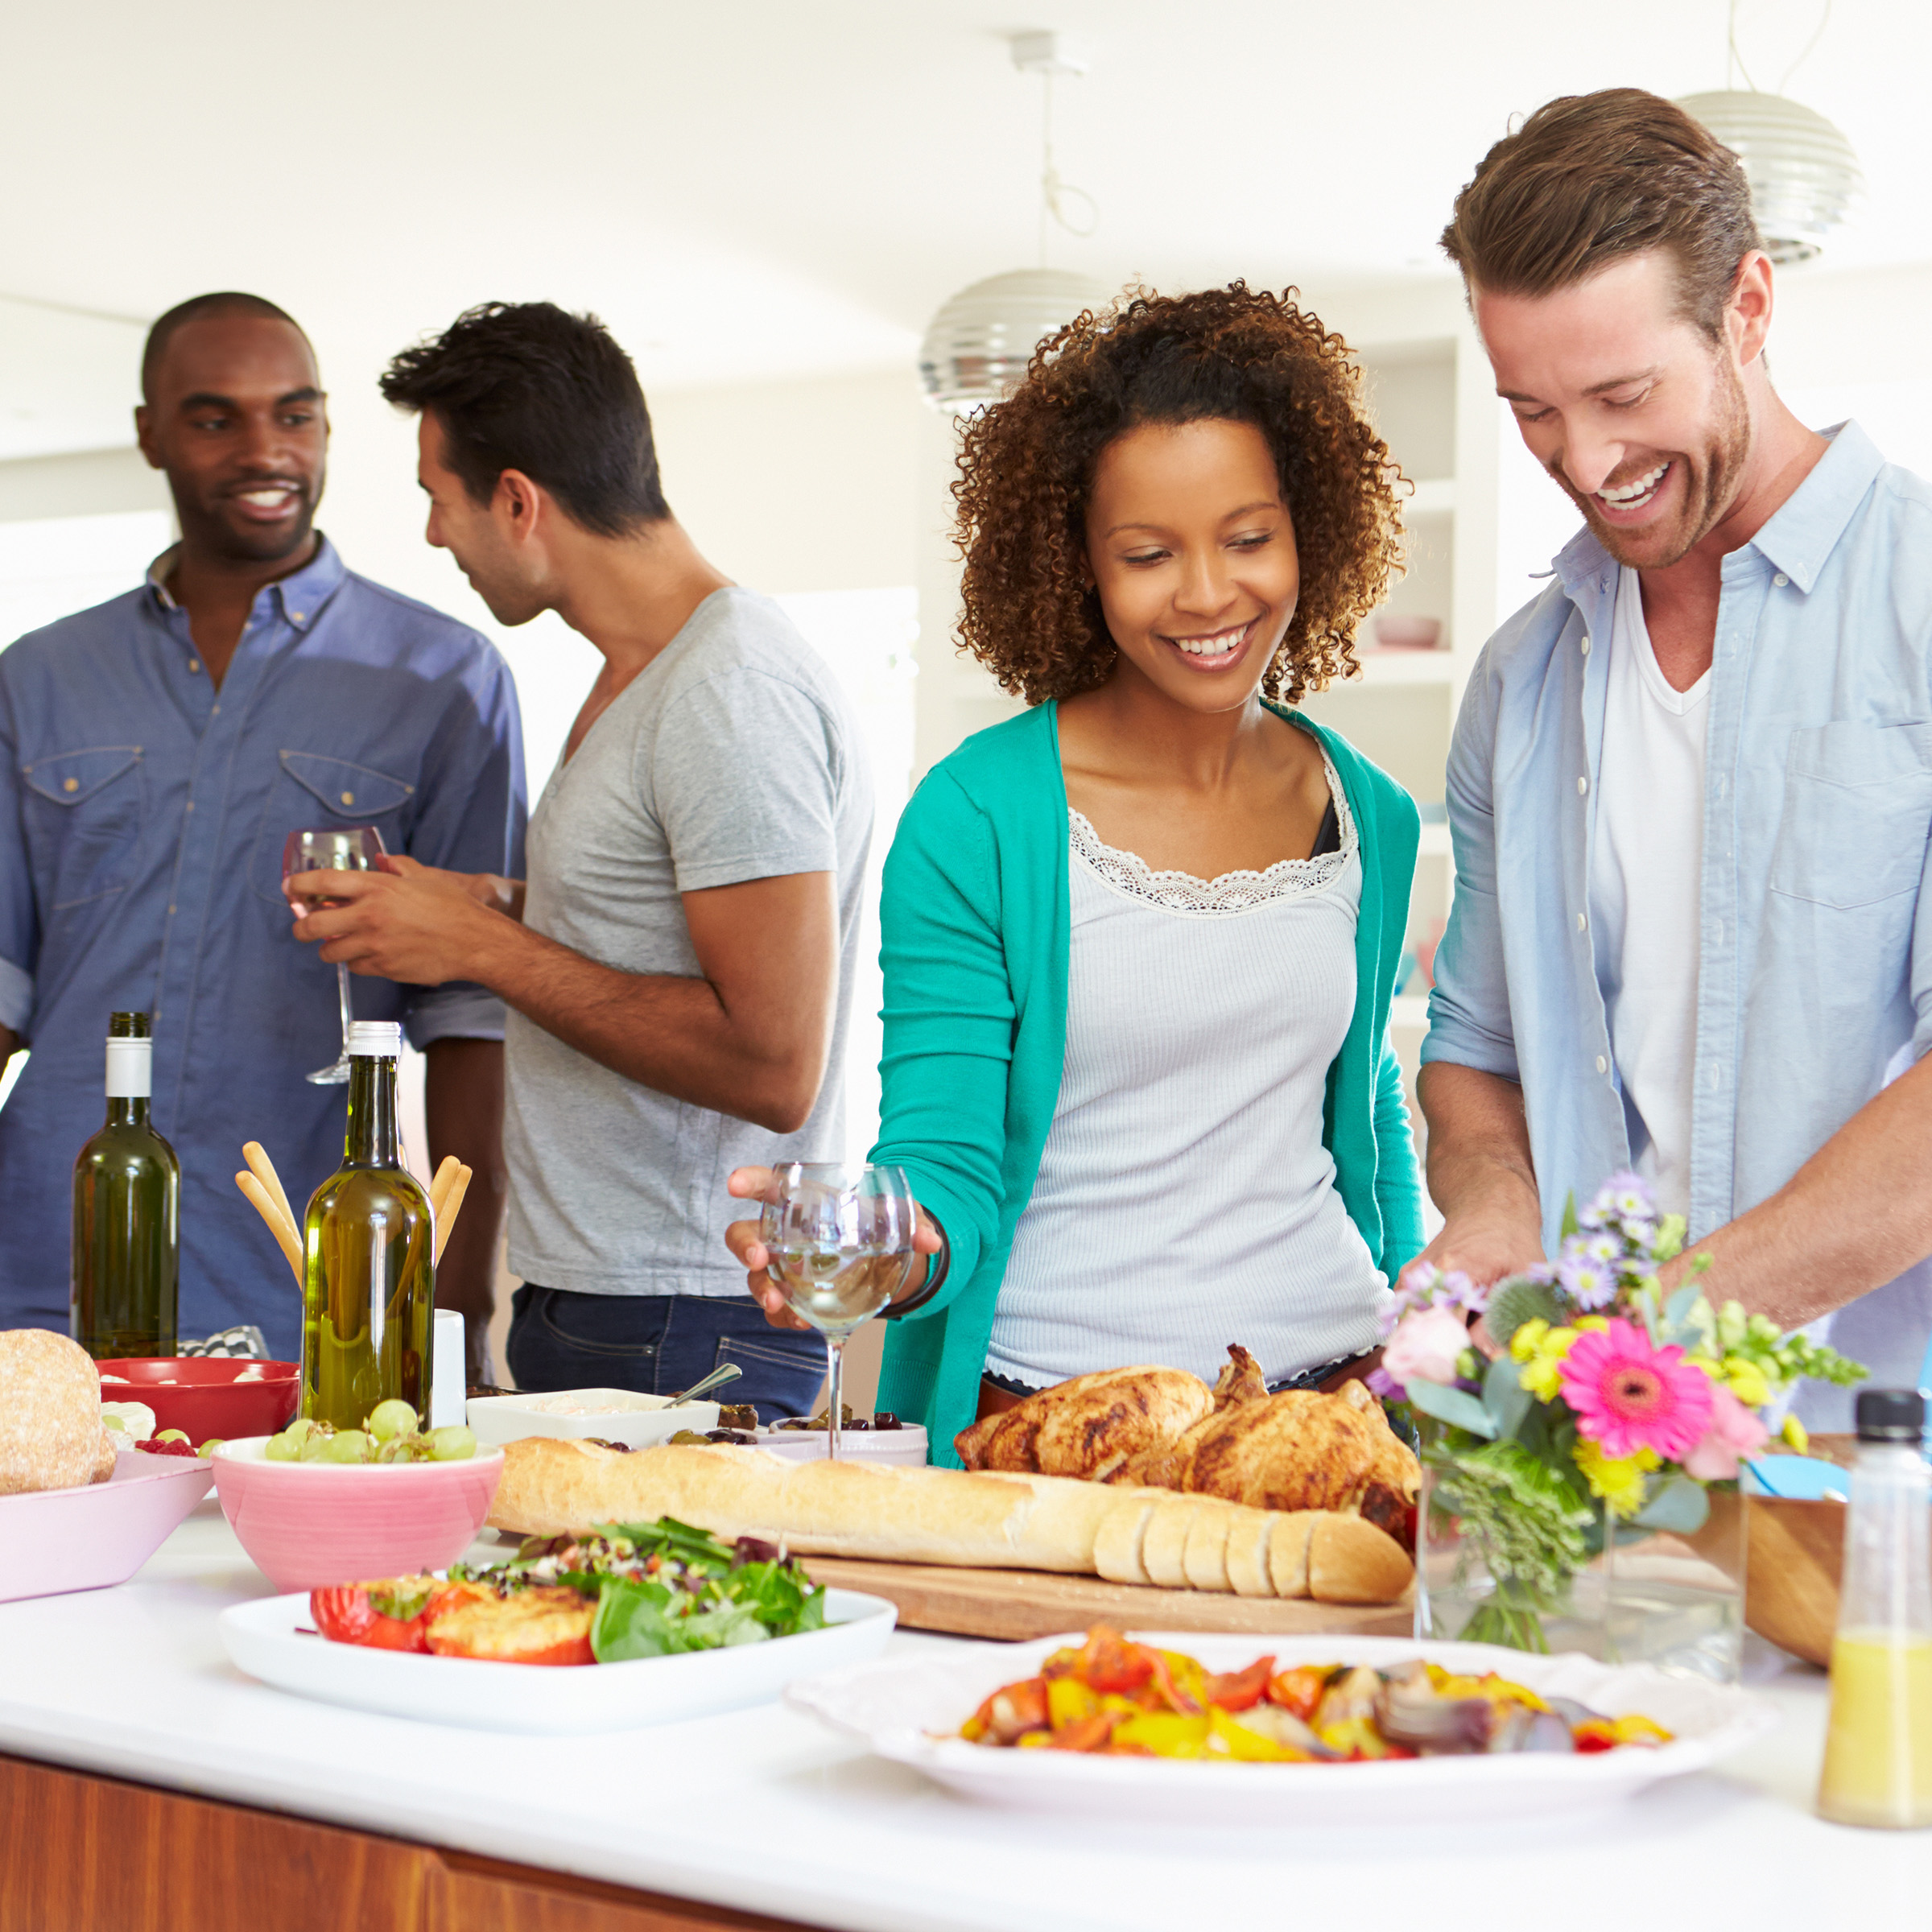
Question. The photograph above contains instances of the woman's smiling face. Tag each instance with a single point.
(1191, 548)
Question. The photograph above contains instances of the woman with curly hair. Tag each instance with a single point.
(1139, 943)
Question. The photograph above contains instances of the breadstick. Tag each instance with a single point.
(438, 1188)
(452, 1202)
(282, 1230)
(263, 1168)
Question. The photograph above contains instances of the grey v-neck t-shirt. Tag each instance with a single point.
(733, 755)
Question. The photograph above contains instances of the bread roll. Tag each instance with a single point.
(951, 1516)
(1204, 1557)
(52, 1436)
(1352, 1562)
(1248, 1533)
(1288, 1552)
(1116, 1547)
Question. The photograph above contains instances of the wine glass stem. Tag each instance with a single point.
(348, 1012)
(834, 1362)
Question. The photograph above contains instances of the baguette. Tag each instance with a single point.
(967, 1519)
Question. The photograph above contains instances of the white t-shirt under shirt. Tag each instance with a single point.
(732, 756)
(1647, 876)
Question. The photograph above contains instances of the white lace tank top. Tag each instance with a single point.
(1185, 1200)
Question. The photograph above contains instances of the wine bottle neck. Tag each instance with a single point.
(371, 1139)
(127, 1110)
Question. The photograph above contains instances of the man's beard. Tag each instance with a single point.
(1711, 481)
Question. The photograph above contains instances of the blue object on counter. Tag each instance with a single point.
(1798, 1478)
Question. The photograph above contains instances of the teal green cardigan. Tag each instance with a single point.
(974, 929)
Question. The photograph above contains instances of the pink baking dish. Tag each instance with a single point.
(307, 1525)
(52, 1540)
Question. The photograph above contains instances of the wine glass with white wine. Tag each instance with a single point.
(332, 849)
(839, 1239)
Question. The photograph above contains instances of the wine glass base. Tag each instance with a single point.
(329, 1077)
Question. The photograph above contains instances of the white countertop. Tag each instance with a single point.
(763, 1810)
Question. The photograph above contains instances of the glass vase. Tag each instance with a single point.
(1641, 1596)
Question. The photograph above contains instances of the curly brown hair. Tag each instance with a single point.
(1236, 354)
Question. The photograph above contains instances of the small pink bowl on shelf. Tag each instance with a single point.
(1396, 633)
(308, 1524)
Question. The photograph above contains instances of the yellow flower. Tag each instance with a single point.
(1538, 1373)
(1746, 1380)
(1793, 1433)
(1529, 1338)
(1619, 1481)
(1598, 1324)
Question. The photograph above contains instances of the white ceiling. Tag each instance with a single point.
(767, 189)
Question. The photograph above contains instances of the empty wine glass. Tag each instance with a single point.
(839, 1239)
(332, 848)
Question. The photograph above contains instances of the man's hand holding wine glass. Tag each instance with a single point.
(407, 921)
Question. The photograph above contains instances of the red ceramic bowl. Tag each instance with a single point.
(308, 1524)
(206, 1396)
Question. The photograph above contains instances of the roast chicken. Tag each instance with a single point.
(1166, 1429)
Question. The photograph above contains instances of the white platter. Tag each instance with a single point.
(895, 1707)
(634, 1420)
(902, 1448)
(263, 1639)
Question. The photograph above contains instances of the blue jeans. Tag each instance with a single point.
(659, 1344)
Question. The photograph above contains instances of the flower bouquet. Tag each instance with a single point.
(1568, 1481)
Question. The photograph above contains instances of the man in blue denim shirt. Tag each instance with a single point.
(154, 752)
(1690, 787)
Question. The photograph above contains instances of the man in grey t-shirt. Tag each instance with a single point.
(679, 966)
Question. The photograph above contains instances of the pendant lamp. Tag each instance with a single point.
(1804, 174)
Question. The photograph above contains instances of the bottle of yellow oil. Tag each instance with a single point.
(1878, 1751)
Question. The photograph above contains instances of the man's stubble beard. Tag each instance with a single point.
(1712, 483)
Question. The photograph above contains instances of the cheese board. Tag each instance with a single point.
(1016, 1604)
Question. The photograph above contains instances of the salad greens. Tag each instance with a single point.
(666, 1588)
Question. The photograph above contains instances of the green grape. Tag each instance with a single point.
(314, 1445)
(208, 1447)
(298, 1431)
(347, 1446)
(172, 1435)
(391, 1418)
(454, 1444)
(282, 1449)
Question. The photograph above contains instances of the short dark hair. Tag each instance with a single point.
(526, 385)
(1592, 178)
(224, 301)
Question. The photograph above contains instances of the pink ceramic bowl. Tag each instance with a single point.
(56, 1540)
(308, 1524)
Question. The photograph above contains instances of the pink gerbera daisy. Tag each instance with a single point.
(1630, 1396)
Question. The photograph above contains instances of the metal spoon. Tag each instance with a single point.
(725, 1372)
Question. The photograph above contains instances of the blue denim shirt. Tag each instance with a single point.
(1814, 970)
(141, 818)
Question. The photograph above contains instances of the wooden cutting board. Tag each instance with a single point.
(1020, 1604)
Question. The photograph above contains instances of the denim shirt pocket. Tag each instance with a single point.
(1857, 813)
(312, 789)
(84, 811)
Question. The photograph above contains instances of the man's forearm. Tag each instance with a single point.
(464, 1102)
(1481, 1173)
(1857, 1215)
(668, 1033)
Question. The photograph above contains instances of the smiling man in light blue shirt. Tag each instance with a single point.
(1690, 789)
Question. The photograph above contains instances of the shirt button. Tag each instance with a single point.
(194, 663)
(70, 784)
(189, 807)
(1602, 1066)
(349, 798)
(1586, 643)
(215, 712)
(1582, 924)
(1583, 785)
(171, 912)
(1781, 580)
(295, 617)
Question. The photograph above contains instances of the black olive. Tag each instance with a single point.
(728, 1435)
(885, 1419)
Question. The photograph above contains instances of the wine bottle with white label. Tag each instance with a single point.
(126, 1258)
(368, 1242)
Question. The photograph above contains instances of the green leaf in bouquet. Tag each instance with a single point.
(1669, 1242)
(1455, 1406)
(1519, 1300)
(1505, 1397)
(1678, 1505)
(1570, 1224)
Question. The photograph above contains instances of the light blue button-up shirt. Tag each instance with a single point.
(142, 813)
(1814, 965)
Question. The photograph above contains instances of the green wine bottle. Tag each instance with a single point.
(368, 1242)
(124, 1263)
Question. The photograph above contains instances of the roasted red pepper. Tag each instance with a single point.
(1240, 1690)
